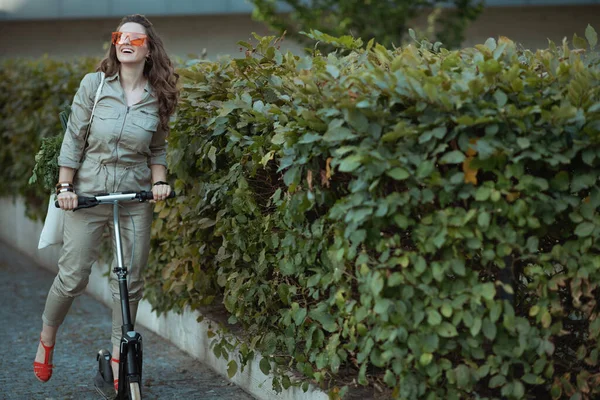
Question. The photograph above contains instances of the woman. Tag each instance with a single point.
(125, 151)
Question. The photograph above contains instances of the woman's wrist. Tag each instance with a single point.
(63, 184)
(63, 190)
(62, 187)
(160, 183)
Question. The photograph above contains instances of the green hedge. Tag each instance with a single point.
(32, 93)
(357, 212)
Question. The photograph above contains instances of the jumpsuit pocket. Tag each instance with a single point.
(138, 133)
(105, 123)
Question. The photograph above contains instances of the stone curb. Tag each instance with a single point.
(182, 330)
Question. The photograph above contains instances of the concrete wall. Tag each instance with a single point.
(183, 330)
(219, 34)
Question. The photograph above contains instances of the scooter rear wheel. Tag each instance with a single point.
(134, 391)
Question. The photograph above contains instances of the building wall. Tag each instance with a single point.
(533, 26)
(219, 34)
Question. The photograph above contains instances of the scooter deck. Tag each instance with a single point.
(105, 389)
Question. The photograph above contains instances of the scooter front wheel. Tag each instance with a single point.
(134, 391)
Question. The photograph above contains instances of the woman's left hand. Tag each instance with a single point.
(161, 192)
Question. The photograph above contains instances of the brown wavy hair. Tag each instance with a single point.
(159, 69)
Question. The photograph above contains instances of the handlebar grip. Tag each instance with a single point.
(82, 202)
(148, 195)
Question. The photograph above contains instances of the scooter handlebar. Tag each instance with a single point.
(87, 202)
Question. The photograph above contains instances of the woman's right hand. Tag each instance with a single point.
(67, 200)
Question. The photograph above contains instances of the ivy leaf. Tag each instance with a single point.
(582, 181)
(286, 266)
(560, 181)
(488, 291)
(476, 327)
(204, 223)
(458, 266)
(579, 42)
(265, 366)
(425, 169)
(338, 134)
(523, 142)
(462, 376)
(546, 319)
(532, 379)
(333, 70)
(376, 283)
(325, 319)
(433, 317)
(591, 36)
(454, 157)
(412, 34)
(497, 381)
(446, 309)
(425, 359)
(292, 175)
(483, 220)
(357, 120)
(299, 316)
(501, 98)
(310, 138)
(584, 229)
(490, 43)
(447, 330)
(483, 193)
(398, 173)
(518, 389)
(232, 368)
(350, 163)
(489, 329)
(212, 154)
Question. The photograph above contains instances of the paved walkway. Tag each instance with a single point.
(168, 372)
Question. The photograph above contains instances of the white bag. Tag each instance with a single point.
(52, 232)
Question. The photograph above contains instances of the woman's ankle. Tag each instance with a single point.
(48, 341)
(48, 334)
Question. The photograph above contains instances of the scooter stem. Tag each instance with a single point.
(121, 271)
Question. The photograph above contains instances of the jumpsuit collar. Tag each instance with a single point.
(148, 88)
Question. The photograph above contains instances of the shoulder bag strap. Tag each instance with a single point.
(87, 132)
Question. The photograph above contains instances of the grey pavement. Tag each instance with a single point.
(169, 373)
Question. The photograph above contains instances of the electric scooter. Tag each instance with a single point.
(131, 349)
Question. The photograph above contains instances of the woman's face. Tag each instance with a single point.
(127, 52)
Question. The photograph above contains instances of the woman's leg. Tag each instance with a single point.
(83, 233)
(134, 235)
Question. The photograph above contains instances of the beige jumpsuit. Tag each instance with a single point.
(122, 144)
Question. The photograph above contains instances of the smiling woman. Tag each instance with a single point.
(136, 40)
(114, 141)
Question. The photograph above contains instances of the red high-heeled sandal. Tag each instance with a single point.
(43, 371)
(116, 382)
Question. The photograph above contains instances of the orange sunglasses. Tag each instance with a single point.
(135, 39)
